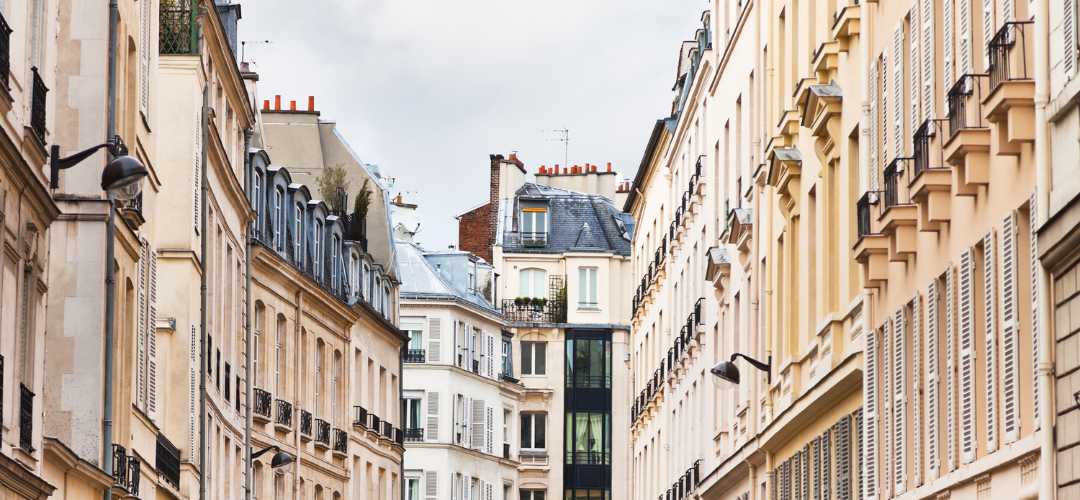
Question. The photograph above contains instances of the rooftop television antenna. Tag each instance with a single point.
(243, 46)
(563, 137)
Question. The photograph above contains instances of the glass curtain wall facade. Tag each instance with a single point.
(587, 434)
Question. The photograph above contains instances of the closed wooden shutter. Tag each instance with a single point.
(899, 414)
(805, 463)
(434, 352)
(1033, 254)
(816, 478)
(477, 424)
(887, 395)
(193, 384)
(196, 177)
(145, 49)
(491, 355)
(826, 476)
(964, 32)
(927, 15)
(898, 92)
(1010, 333)
(950, 373)
(967, 358)
(432, 431)
(988, 30)
(140, 325)
(1068, 34)
(151, 335)
(870, 410)
(932, 376)
(915, 442)
(990, 316)
(915, 65)
(490, 426)
(886, 126)
(948, 40)
(871, 181)
(431, 485)
(844, 476)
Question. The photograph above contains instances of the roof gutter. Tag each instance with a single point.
(639, 178)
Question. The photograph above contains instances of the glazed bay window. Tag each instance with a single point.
(588, 438)
(413, 431)
(533, 431)
(532, 283)
(534, 358)
(534, 224)
(587, 288)
(588, 363)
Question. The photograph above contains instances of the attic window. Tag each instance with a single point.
(534, 226)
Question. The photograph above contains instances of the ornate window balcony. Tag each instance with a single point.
(898, 216)
(283, 419)
(846, 25)
(263, 402)
(930, 183)
(305, 425)
(968, 146)
(872, 248)
(1010, 106)
(322, 433)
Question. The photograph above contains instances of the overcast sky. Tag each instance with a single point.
(427, 89)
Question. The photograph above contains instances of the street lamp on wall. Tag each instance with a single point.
(122, 177)
(281, 459)
(727, 370)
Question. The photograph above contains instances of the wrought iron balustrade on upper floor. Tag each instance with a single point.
(37, 105)
(360, 416)
(168, 461)
(284, 415)
(414, 434)
(533, 311)
(893, 177)
(178, 28)
(927, 152)
(5, 52)
(26, 418)
(305, 423)
(262, 404)
(415, 356)
(341, 441)
(863, 211)
(1009, 52)
(965, 101)
(322, 432)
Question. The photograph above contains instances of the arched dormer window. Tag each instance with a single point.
(317, 249)
(279, 218)
(335, 261)
(256, 199)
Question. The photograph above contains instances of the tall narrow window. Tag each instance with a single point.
(256, 192)
(532, 283)
(279, 217)
(319, 347)
(298, 234)
(335, 259)
(260, 320)
(533, 431)
(533, 358)
(587, 288)
(534, 225)
(316, 248)
(279, 355)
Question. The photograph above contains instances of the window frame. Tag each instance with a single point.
(588, 287)
(531, 416)
(529, 358)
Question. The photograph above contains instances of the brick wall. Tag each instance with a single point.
(475, 232)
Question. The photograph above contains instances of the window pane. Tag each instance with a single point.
(541, 429)
(526, 430)
(582, 298)
(526, 358)
(541, 357)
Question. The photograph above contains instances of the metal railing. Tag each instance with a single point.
(415, 356)
(374, 422)
(263, 402)
(322, 432)
(5, 51)
(120, 466)
(284, 413)
(37, 105)
(893, 173)
(360, 416)
(168, 461)
(413, 434)
(965, 99)
(305, 423)
(588, 457)
(178, 29)
(527, 238)
(341, 441)
(399, 436)
(387, 430)
(1005, 63)
(506, 451)
(26, 418)
(547, 312)
(862, 212)
(588, 381)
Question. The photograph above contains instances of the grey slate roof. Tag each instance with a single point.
(577, 222)
(421, 280)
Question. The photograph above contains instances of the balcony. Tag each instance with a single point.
(5, 52)
(533, 310)
(261, 408)
(305, 424)
(126, 470)
(399, 437)
(528, 239)
(899, 216)
(284, 418)
(168, 461)
(374, 423)
(872, 248)
(26, 419)
(506, 451)
(415, 356)
(37, 106)
(846, 25)
(322, 433)
(931, 178)
(968, 146)
(360, 416)
(414, 434)
(1011, 103)
(179, 29)
(341, 442)
(387, 430)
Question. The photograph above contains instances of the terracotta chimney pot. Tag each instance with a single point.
(277, 103)
(311, 103)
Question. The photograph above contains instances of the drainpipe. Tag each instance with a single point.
(864, 164)
(296, 408)
(1045, 367)
(401, 413)
(204, 249)
(248, 392)
(110, 252)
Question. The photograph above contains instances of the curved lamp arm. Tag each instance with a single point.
(56, 163)
(263, 451)
(765, 367)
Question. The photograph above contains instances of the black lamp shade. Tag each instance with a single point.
(122, 172)
(281, 459)
(726, 370)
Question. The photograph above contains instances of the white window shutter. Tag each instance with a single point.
(915, 442)
(990, 315)
(967, 358)
(151, 335)
(431, 485)
(1010, 343)
(805, 472)
(928, 46)
(964, 30)
(948, 43)
(871, 181)
(826, 476)
(950, 372)
(478, 422)
(432, 431)
(434, 351)
(140, 325)
(870, 410)
(1068, 29)
(915, 80)
(196, 177)
(886, 126)
(899, 411)
(988, 30)
(490, 426)
(932, 377)
(898, 92)
(145, 49)
(1007, 11)
(492, 355)
(193, 384)
(1033, 254)
(887, 396)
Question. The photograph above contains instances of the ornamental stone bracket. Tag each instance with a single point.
(824, 104)
(785, 170)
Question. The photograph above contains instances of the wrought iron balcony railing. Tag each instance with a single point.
(305, 423)
(415, 356)
(360, 416)
(399, 436)
(262, 404)
(387, 430)
(179, 28)
(533, 312)
(168, 461)
(26, 418)
(588, 457)
(341, 441)
(374, 422)
(863, 210)
(893, 174)
(413, 434)
(322, 432)
(1008, 53)
(37, 105)
(5, 52)
(964, 99)
(284, 413)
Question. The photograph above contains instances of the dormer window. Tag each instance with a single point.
(298, 234)
(335, 256)
(534, 226)
(279, 218)
(316, 247)
(256, 193)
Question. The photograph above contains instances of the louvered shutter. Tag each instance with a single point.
(434, 353)
(915, 443)
(140, 325)
(490, 426)
(915, 66)
(928, 46)
(950, 373)
(1033, 254)
(816, 478)
(431, 485)
(990, 315)
(826, 465)
(932, 377)
(466, 419)
(967, 358)
(491, 356)
(988, 30)
(949, 39)
(196, 177)
(844, 476)
(432, 431)
(899, 416)
(478, 423)
(144, 59)
(886, 126)
(193, 384)
(151, 335)
(898, 92)
(805, 461)
(887, 396)
(1068, 34)
(870, 409)
(964, 30)
(871, 181)
(1009, 332)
